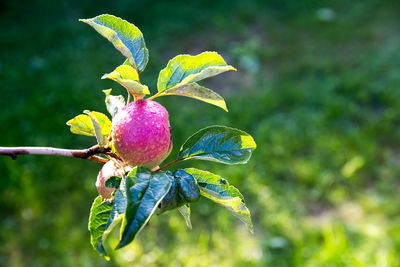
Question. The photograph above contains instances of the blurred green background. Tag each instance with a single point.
(317, 86)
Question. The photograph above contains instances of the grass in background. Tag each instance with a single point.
(317, 87)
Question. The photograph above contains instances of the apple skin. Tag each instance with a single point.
(108, 170)
(141, 133)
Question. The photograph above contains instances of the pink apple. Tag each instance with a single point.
(141, 133)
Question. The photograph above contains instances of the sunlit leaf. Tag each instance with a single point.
(198, 92)
(101, 125)
(126, 62)
(113, 103)
(220, 144)
(184, 69)
(96, 128)
(125, 37)
(217, 189)
(81, 124)
(185, 212)
(99, 216)
(128, 77)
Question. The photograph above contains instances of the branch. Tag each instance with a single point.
(89, 153)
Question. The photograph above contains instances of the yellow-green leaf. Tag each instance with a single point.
(113, 103)
(185, 212)
(96, 128)
(125, 37)
(101, 125)
(86, 124)
(198, 92)
(81, 124)
(184, 69)
(217, 189)
(128, 77)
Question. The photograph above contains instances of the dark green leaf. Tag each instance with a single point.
(144, 194)
(218, 190)
(119, 201)
(99, 216)
(171, 199)
(188, 189)
(220, 144)
(125, 37)
(184, 189)
(113, 182)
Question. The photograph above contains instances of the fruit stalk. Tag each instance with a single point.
(165, 166)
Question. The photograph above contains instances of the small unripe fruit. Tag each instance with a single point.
(108, 170)
(141, 133)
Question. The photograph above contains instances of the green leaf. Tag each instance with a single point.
(171, 200)
(144, 194)
(188, 190)
(113, 103)
(81, 124)
(119, 207)
(99, 215)
(84, 124)
(119, 204)
(125, 37)
(128, 77)
(121, 195)
(198, 92)
(220, 144)
(217, 189)
(113, 182)
(96, 128)
(184, 69)
(185, 212)
(101, 125)
(184, 189)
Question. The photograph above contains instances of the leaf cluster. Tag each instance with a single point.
(140, 191)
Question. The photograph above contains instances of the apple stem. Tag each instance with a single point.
(166, 165)
(89, 153)
(154, 96)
